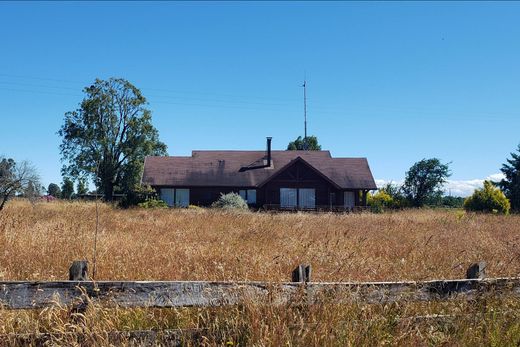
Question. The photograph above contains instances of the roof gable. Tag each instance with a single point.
(290, 164)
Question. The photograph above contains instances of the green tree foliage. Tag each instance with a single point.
(67, 188)
(54, 190)
(510, 185)
(231, 201)
(452, 201)
(299, 144)
(488, 199)
(424, 180)
(81, 188)
(109, 135)
(153, 203)
(17, 178)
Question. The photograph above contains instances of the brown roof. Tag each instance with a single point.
(221, 168)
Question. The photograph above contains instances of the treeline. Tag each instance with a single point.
(424, 182)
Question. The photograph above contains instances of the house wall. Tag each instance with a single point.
(298, 175)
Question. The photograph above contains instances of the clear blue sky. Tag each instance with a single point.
(393, 82)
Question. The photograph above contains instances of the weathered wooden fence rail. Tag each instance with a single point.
(27, 295)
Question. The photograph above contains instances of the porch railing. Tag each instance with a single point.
(318, 208)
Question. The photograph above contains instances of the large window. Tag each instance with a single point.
(288, 197)
(302, 197)
(175, 197)
(182, 197)
(248, 195)
(307, 198)
(349, 199)
(167, 195)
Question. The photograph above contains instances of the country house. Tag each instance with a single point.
(268, 179)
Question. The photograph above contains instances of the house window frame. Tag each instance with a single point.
(174, 197)
(247, 195)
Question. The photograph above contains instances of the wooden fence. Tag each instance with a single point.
(29, 295)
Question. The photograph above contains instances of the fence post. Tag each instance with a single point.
(302, 273)
(78, 271)
(476, 270)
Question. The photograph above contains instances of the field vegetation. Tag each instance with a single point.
(39, 242)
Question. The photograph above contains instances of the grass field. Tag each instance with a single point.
(38, 242)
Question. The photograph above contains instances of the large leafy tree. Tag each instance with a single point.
(17, 178)
(510, 185)
(54, 190)
(299, 144)
(424, 180)
(81, 187)
(108, 136)
(67, 188)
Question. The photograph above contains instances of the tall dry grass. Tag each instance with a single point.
(38, 242)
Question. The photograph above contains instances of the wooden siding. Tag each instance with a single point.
(298, 175)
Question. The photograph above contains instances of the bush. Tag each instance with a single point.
(153, 203)
(137, 196)
(379, 201)
(488, 199)
(230, 201)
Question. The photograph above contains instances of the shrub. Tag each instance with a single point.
(379, 201)
(137, 196)
(230, 201)
(153, 203)
(488, 199)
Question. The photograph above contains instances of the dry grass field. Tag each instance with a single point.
(38, 242)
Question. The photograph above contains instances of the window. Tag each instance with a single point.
(251, 196)
(349, 199)
(288, 197)
(307, 198)
(175, 197)
(182, 197)
(248, 195)
(167, 195)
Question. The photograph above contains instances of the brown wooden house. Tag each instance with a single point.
(270, 179)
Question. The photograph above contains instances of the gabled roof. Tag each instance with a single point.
(221, 169)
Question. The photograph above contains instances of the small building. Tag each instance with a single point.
(305, 180)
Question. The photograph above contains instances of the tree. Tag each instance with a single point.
(299, 144)
(109, 135)
(424, 180)
(54, 190)
(20, 178)
(487, 199)
(81, 187)
(510, 185)
(67, 188)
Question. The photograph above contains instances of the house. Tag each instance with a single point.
(269, 179)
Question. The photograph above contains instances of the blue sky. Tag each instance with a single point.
(393, 82)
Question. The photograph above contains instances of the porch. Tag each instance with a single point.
(317, 208)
